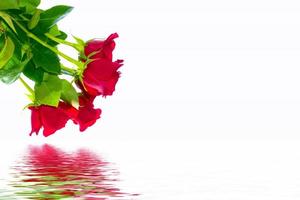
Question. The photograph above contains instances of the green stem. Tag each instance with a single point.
(67, 70)
(31, 35)
(71, 44)
(26, 85)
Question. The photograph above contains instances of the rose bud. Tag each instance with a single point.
(101, 48)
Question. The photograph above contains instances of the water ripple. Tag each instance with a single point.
(46, 172)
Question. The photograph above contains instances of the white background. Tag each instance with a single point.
(201, 71)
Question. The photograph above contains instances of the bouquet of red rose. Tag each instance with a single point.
(29, 37)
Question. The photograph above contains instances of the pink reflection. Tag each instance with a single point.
(50, 173)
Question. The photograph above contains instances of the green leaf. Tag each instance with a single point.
(7, 51)
(9, 4)
(10, 33)
(12, 70)
(62, 35)
(30, 5)
(54, 31)
(80, 47)
(79, 41)
(49, 91)
(2, 41)
(51, 16)
(69, 93)
(17, 43)
(45, 58)
(34, 20)
(8, 20)
(33, 73)
(21, 36)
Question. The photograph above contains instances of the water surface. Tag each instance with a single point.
(47, 172)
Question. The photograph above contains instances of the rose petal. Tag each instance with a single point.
(104, 48)
(87, 114)
(36, 123)
(101, 76)
(55, 118)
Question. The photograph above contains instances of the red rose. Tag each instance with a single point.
(101, 76)
(102, 48)
(55, 118)
(87, 114)
(50, 118)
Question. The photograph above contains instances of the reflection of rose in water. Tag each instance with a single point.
(50, 173)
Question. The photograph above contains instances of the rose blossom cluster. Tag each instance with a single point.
(98, 78)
